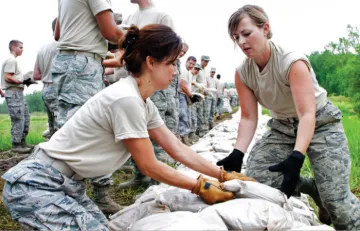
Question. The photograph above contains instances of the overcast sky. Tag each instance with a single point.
(306, 26)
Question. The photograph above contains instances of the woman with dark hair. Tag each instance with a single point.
(304, 123)
(47, 190)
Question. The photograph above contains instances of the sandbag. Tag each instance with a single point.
(178, 221)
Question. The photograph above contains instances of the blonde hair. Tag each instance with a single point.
(256, 13)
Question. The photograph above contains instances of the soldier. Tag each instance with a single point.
(202, 106)
(13, 83)
(186, 99)
(166, 100)
(42, 72)
(47, 191)
(211, 99)
(83, 30)
(220, 95)
(304, 123)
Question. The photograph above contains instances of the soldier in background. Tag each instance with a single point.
(211, 99)
(220, 95)
(13, 83)
(42, 72)
(202, 106)
(83, 32)
(166, 100)
(186, 99)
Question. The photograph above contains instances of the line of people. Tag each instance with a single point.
(99, 128)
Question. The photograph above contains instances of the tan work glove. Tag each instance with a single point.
(210, 191)
(226, 176)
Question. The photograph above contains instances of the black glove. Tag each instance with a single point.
(232, 162)
(291, 169)
(28, 82)
(195, 98)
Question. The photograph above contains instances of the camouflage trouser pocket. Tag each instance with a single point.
(159, 99)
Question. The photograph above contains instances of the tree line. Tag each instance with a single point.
(34, 102)
(337, 69)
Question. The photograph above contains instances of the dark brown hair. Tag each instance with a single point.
(256, 13)
(191, 58)
(155, 40)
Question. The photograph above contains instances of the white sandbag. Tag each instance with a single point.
(249, 189)
(317, 227)
(181, 200)
(252, 214)
(129, 217)
(177, 221)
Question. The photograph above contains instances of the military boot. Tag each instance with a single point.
(308, 186)
(185, 139)
(193, 137)
(138, 180)
(103, 200)
(25, 145)
(18, 148)
(210, 126)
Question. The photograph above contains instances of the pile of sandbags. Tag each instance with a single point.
(256, 207)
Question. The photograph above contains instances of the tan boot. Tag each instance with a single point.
(18, 148)
(103, 200)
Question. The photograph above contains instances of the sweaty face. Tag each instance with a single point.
(190, 64)
(163, 74)
(250, 38)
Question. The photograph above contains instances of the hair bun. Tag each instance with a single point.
(131, 35)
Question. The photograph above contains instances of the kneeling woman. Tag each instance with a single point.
(47, 190)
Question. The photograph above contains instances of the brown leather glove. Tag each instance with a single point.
(210, 191)
(226, 176)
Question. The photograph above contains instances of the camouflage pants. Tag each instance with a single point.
(168, 107)
(77, 78)
(232, 101)
(39, 197)
(219, 105)
(193, 117)
(19, 115)
(329, 157)
(211, 107)
(50, 98)
(200, 115)
(184, 116)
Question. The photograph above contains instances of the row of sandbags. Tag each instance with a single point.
(257, 207)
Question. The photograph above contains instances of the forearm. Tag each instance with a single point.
(246, 131)
(305, 132)
(116, 35)
(10, 79)
(163, 173)
(37, 73)
(112, 62)
(192, 160)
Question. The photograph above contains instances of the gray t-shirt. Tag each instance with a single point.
(78, 27)
(45, 57)
(271, 86)
(10, 65)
